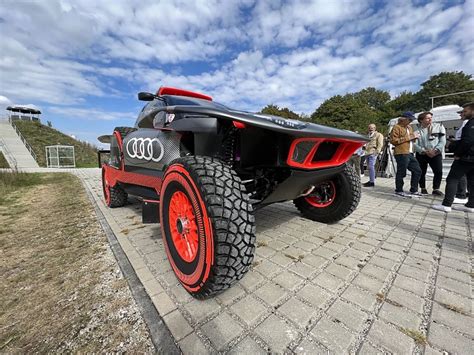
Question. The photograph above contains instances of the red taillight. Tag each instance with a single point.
(316, 153)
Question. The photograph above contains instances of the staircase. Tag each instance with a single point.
(13, 148)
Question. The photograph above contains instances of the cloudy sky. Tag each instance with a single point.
(82, 62)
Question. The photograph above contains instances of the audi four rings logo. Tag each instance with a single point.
(150, 149)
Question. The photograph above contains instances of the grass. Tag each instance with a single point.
(61, 289)
(40, 136)
(416, 335)
(3, 162)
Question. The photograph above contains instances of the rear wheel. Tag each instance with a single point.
(114, 196)
(332, 200)
(207, 224)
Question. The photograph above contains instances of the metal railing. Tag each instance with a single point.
(23, 139)
(8, 155)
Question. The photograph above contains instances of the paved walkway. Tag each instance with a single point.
(396, 276)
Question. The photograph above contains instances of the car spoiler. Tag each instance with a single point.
(106, 138)
(273, 123)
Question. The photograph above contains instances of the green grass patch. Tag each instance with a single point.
(3, 162)
(39, 136)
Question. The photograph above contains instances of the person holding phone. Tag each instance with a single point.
(429, 149)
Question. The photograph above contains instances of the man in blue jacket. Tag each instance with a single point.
(463, 164)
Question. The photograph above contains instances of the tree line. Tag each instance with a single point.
(354, 111)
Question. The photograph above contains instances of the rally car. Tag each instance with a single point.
(202, 169)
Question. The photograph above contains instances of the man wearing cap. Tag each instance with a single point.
(403, 138)
(463, 164)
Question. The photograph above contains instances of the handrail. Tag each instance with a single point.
(23, 139)
(8, 155)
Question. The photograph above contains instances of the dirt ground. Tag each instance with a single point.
(61, 289)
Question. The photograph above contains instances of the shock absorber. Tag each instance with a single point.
(228, 146)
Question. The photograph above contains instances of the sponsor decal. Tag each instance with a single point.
(149, 149)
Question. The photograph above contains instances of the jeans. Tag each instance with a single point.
(371, 159)
(462, 186)
(458, 169)
(404, 162)
(436, 164)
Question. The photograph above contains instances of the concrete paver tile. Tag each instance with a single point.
(297, 311)
(339, 271)
(406, 299)
(315, 295)
(163, 303)
(453, 285)
(201, 309)
(332, 335)
(193, 345)
(453, 299)
(328, 281)
(308, 347)
(368, 283)
(248, 309)
(390, 338)
(399, 316)
(362, 298)
(276, 333)
(230, 295)
(347, 314)
(251, 280)
(374, 271)
(448, 340)
(409, 284)
(177, 324)
(248, 346)
(221, 330)
(288, 280)
(462, 322)
(271, 293)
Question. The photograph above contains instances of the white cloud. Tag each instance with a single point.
(91, 114)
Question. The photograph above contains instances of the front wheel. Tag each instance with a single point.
(115, 196)
(332, 200)
(207, 224)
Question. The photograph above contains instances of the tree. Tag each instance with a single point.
(281, 112)
(353, 111)
(445, 83)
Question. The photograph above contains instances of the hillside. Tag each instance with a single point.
(39, 136)
(3, 161)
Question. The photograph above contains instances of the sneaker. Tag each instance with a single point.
(461, 201)
(437, 193)
(424, 191)
(463, 208)
(441, 208)
(368, 184)
(415, 194)
(402, 194)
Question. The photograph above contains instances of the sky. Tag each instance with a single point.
(82, 62)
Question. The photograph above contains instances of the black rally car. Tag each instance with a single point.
(202, 170)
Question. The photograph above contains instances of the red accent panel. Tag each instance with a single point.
(113, 176)
(180, 92)
(239, 125)
(343, 153)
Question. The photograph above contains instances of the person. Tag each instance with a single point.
(429, 149)
(463, 164)
(355, 160)
(372, 150)
(461, 193)
(403, 138)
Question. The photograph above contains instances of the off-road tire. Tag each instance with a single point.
(348, 191)
(226, 234)
(124, 131)
(115, 196)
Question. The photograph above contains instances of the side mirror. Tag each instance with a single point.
(145, 96)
